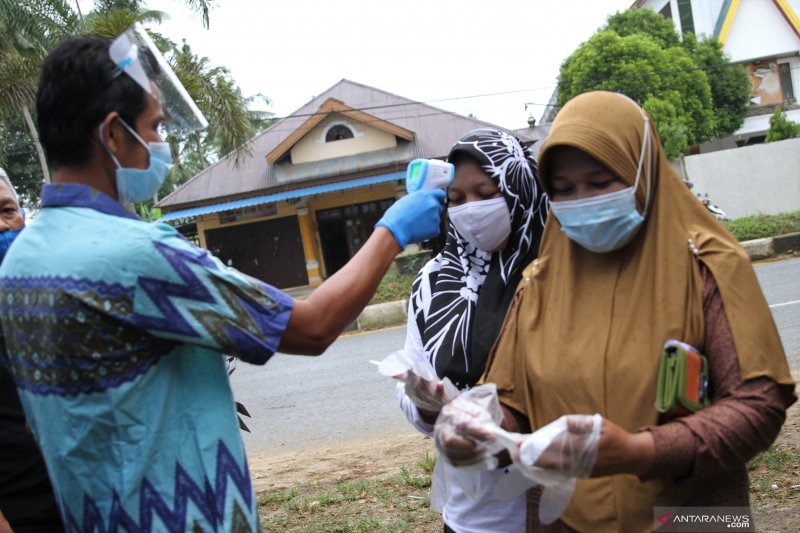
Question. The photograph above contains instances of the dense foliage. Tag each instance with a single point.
(688, 86)
(780, 127)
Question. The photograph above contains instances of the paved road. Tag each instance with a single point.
(307, 402)
(780, 282)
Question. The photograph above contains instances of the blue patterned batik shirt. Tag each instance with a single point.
(113, 331)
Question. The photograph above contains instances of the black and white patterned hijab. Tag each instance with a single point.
(460, 297)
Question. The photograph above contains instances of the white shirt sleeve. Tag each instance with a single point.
(413, 348)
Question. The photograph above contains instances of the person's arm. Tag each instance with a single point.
(184, 294)
(744, 418)
(316, 322)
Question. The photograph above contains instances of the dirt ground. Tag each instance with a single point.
(377, 458)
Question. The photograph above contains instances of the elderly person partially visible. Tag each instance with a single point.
(11, 216)
(26, 496)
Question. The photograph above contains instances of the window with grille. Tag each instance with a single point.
(338, 132)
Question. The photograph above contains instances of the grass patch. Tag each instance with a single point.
(775, 477)
(401, 503)
(395, 504)
(760, 226)
(394, 286)
(427, 462)
(421, 482)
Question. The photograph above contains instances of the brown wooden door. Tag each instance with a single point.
(344, 230)
(271, 250)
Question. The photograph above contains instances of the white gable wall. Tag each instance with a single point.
(705, 14)
(760, 31)
(366, 138)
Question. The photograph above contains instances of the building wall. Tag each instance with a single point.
(759, 30)
(705, 13)
(312, 147)
(763, 178)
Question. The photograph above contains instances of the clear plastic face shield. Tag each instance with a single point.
(136, 55)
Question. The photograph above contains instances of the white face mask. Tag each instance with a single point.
(485, 224)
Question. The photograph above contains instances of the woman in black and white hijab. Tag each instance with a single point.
(460, 297)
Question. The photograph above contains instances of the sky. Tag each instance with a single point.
(485, 57)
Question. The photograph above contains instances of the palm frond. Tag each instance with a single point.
(112, 23)
(32, 27)
(18, 81)
(203, 8)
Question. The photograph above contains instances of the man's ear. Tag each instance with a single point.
(110, 133)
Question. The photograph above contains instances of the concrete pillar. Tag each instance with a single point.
(312, 263)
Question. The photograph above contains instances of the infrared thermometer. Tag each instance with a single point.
(429, 174)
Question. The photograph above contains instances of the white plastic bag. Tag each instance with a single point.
(422, 385)
(554, 456)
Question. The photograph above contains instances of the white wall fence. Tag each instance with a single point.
(758, 179)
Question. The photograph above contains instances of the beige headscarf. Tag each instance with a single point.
(585, 331)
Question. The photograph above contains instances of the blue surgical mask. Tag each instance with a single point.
(140, 184)
(609, 221)
(601, 223)
(8, 236)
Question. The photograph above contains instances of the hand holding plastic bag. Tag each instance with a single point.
(564, 448)
(422, 385)
(465, 429)
(557, 454)
(468, 434)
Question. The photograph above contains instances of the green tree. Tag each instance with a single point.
(664, 81)
(202, 7)
(18, 158)
(781, 128)
(30, 28)
(688, 86)
(730, 84)
(644, 21)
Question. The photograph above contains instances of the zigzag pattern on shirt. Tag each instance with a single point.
(209, 501)
(250, 307)
(68, 336)
(161, 291)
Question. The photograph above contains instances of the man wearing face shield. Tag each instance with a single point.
(115, 327)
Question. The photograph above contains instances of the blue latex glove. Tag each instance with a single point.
(415, 217)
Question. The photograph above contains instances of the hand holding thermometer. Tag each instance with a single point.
(429, 174)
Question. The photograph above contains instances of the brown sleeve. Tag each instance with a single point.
(744, 418)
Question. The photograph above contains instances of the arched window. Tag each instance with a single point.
(338, 133)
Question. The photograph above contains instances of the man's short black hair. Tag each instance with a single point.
(79, 86)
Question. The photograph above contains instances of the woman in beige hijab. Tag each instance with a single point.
(629, 259)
